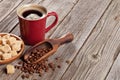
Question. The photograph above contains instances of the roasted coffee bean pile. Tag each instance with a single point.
(40, 67)
(37, 53)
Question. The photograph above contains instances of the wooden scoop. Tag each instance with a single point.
(49, 43)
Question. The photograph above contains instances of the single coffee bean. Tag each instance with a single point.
(20, 62)
(68, 62)
(52, 66)
(59, 66)
(57, 58)
(23, 76)
(22, 69)
(18, 67)
(27, 75)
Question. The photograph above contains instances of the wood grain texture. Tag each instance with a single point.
(7, 6)
(81, 26)
(5, 24)
(115, 70)
(96, 57)
(52, 5)
(8, 23)
(81, 31)
(57, 6)
(78, 17)
(11, 21)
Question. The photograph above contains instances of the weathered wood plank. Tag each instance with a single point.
(7, 6)
(51, 5)
(81, 20)
(67, 26)
(82, 31)
(11, 21)
(115, 70)
(60, 8)
(100, 50)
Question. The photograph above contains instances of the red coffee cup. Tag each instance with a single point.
(32, 19)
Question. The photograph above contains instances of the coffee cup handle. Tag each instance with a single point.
(54, 23)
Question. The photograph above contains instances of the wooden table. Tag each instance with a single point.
(94, 52)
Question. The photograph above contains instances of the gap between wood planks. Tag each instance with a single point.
(116, 53)
(16, 24)
(11, 30)
(11, 19)
(10, 10)
(87, 37)
(54, 32)
(1, 1)
(13, 22)
(59, 22)
(22, 1)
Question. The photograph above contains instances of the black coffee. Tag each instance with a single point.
(32, 14)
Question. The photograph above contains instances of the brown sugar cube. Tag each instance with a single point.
(11, 40)
(13, 53)
(7, 36)
(4, 41)
(5, 48)
(32, 16)
(6, 56)
(17, 46)
(10, 69)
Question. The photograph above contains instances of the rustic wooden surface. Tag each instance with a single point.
(93, 54)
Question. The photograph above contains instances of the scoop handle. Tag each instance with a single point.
(65, 39)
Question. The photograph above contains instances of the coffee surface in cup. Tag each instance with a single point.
(32, 14)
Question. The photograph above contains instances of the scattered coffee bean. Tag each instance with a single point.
(59, 66)
(20, 62)
(40, 67)
(22, 69)
(46, 59)
(40, 74)
(68, 62)
(57, 58)
(27, 75)
(15, 66)
(18, 67)
(52, 66)
(23, 76)
(46, 70)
